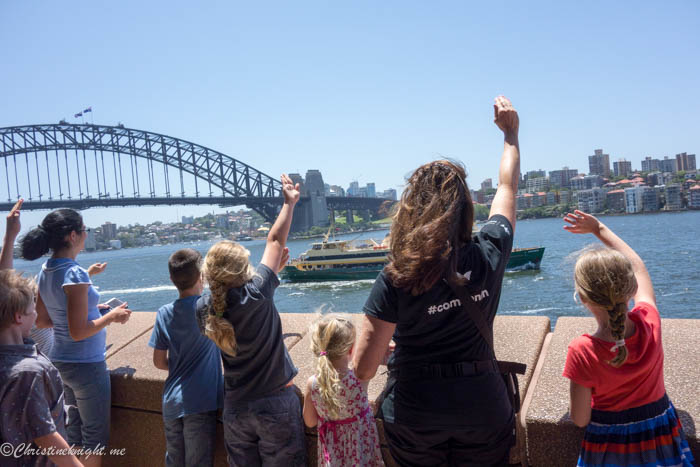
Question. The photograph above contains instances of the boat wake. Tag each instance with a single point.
(328, 285)
(157, 288)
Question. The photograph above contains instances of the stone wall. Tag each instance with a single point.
(546, 436)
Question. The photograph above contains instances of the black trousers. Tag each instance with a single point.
(413, 446)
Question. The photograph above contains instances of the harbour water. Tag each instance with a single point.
(667, 242)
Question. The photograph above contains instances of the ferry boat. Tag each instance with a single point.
(353, 260)
(338, 260)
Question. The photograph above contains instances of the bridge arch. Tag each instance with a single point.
(238, 182)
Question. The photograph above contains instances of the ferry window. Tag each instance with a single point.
(317, 247)
(328, 247)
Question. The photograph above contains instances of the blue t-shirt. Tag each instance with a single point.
(195, 382)
(55, 275)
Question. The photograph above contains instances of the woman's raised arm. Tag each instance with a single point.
(506, 118)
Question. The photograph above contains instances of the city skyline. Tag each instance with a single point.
(361, 91)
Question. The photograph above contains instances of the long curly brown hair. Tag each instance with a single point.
(432, 223)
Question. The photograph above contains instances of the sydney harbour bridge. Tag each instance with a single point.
(81, 166)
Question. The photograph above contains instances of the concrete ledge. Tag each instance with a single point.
(554, 440)
(141, 437)
(121, 335)
(520, 339)
(137, 385)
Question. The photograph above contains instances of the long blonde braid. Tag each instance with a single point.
(604, 277)
(226, 266)
(331, 338)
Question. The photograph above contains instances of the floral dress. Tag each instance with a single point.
(351, 439)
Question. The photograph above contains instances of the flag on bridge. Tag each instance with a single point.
(89, 109)
(79, 114)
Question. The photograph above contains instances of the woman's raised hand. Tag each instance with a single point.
(505, 116)
(581, 223)
(96, 268)
(290, 191)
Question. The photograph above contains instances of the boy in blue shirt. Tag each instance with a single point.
(194, 388)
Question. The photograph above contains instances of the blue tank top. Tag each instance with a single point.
(56, 274)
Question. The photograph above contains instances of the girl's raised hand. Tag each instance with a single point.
(290, 191)
(581, 223)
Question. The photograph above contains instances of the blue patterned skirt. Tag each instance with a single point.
(650, 435)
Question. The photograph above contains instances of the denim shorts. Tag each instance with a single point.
(266, 431)
(88, 398)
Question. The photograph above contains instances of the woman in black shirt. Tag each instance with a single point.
(445, 402)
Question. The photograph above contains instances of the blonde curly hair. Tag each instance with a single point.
(226, 266)
(332, 337)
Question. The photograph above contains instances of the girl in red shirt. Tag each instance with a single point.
(617, 386)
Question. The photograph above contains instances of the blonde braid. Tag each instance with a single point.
(331, 338)
(604, 277)
(226, 266)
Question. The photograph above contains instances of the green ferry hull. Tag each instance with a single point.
(293, 274)
(528, 258)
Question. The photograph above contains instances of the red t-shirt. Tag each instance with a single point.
(639, 381)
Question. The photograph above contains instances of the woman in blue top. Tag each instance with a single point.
(68, 301)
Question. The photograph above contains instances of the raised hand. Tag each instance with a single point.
(581, 223)
(13, 225)
(290, 191)
(505, 116)
(283, 259)
(96, 268)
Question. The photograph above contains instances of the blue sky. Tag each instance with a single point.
(362, 90)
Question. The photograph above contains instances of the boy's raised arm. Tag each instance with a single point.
(11, 231)
(277, 237)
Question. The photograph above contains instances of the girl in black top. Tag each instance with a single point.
(440, 408)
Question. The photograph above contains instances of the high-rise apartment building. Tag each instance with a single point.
(685, 161)
(673, 197)
(371, 190)
(615, 200)
(650, 199)
(487, 184)
(622, 167)
(109, 231)
(669, 165)
(599, 163)
(354, 189)
(662, 165)
(562, 177)
(534, 174)
(633, 199)
(592, 200)
(534, 185)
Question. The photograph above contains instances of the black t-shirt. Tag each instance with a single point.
(433, 327)
(262, 364)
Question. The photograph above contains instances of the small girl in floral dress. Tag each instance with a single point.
(337, 402)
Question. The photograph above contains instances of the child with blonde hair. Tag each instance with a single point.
(262, 412)
(336, 400)
(617, 384)
(31, 389)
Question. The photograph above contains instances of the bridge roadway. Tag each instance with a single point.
(333, 203)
